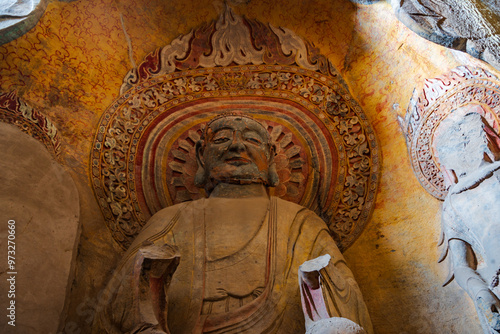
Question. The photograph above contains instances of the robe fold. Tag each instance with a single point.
(294, 235)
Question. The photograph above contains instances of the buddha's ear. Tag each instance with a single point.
(200, 179)
(272, 175)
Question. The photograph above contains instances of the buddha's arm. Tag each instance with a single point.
(342, 290)
(342, 295)
(133, 300)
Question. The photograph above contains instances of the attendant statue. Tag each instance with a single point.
(468, 152)
(229, 263)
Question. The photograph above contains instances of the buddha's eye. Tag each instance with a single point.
(220, 140)
(222, 136)
(253, 140)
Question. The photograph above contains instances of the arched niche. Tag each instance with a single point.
(18, 17)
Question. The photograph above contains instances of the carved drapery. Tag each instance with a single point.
(439, 97)
(143, 151)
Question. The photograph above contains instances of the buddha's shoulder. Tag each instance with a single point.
(165, 219)
(288, 205)
(292, 208)
(301, 215)
(171, 211)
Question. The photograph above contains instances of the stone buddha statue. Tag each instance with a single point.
(229, 263)
(468, 150)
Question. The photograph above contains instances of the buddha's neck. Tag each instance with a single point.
(229, 190)
(233, 217)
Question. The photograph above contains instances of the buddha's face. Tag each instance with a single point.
(236, 150)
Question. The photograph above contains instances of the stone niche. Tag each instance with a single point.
(146, 161)
(42, 199)
(74, 75)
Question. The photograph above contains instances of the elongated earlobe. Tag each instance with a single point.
(272, 176)
(200, 178)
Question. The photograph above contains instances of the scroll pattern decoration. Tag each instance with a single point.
(333, 171)
(14, 110)
(440, 97)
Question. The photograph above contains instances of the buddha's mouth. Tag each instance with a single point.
(237, 161)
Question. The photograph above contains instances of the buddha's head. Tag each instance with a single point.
(235, 148)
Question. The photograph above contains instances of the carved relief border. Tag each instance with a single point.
(125, 122)
(15, 111)
(440, 97)
(193, 69)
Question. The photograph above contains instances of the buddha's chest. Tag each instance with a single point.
(236, 280)
(230, 225)
(236, 257)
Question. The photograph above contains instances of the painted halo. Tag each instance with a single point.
(470, 87)
(143, 152)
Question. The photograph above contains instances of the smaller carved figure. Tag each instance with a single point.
(468, 150)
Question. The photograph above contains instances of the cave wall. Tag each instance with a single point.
(71, 65)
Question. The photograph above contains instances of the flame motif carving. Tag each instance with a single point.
(143, 158)
(440, 97)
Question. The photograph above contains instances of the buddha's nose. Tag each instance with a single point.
(237, 143)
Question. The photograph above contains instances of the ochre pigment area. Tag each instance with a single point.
(70, 68)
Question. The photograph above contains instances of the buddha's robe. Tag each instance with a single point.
(255, 290)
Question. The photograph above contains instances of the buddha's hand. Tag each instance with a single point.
(489, 304)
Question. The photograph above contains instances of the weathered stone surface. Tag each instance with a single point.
(335, 326)
(18, 17)
(40, 196)
(240, 251)
(73, 74)
(366, 2)
(468, 149)
(464, 25)
(452, 127)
